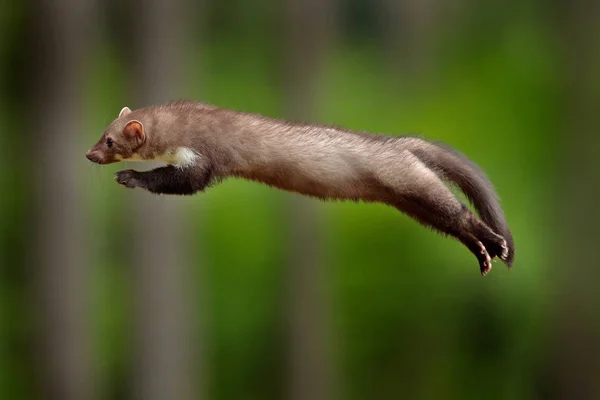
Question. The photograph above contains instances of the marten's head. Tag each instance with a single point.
(120, 141)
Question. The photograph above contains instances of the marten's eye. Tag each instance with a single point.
(109, 142)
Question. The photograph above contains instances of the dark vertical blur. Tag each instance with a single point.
(309, 26)
(409, 28)
(575, 363)
(165, 355)
(61, 268)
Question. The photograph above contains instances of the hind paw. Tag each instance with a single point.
(485, 261)
(496, 246)
(504, 255)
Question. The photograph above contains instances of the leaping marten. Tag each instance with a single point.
(203, 144)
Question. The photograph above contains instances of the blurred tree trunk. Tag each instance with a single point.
(409, 31)
(61, 42)
(165, 364)
(308, 33)
(576, 362)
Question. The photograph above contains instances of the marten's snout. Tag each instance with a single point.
(93, 157)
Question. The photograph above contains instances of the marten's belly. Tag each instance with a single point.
(324, 185)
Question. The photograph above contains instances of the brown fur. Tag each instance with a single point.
(326, 162)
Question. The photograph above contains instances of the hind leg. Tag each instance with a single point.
(428, 200)
(494, 243)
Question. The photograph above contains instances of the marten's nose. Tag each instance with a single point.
(91, 156)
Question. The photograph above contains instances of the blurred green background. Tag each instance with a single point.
(245, 292)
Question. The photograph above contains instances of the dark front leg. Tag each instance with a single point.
(167, 180)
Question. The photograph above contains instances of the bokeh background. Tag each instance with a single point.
(246, 292)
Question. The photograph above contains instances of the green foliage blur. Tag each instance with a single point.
(411, 317)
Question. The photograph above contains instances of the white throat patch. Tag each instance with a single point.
(180, 157)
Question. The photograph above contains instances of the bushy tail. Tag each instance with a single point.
(472, 181)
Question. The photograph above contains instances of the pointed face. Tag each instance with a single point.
(123, 137)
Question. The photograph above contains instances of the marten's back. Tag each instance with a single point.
(314, 160)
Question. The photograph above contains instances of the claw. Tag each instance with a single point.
(486, 266)
(504, 254)
(482, 248)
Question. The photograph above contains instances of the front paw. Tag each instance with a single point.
(127, 178)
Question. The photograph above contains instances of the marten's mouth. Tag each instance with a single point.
(97, 158)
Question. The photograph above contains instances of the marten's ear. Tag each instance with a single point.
(124, 112)
(134, 130)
